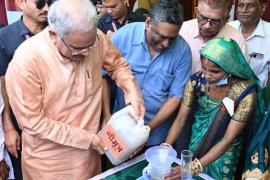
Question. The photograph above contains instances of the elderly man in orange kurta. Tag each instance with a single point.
(54, 88)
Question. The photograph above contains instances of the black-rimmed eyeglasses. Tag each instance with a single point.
(203, 20)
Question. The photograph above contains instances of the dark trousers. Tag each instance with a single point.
(16, 163)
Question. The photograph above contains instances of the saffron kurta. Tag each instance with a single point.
(57, 103)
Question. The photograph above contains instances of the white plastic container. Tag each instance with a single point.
(123, 135)
(160, 160)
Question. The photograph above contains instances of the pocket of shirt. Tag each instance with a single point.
(256, 62)
(93, 80)
(166, 80)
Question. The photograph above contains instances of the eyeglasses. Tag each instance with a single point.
(203, 20)
(78, 50)
(41, 3)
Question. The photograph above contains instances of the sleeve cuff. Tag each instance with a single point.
(178, 96)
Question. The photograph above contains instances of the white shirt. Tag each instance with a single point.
(258, 45)
(3, 152)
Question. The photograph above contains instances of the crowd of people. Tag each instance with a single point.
(201, 84)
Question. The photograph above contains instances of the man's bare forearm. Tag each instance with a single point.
(168, 108)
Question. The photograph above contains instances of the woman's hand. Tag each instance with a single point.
(175, 174)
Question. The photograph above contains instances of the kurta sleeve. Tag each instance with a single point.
(117, 66)
(25, 93)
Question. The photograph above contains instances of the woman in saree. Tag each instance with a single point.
(227, 92)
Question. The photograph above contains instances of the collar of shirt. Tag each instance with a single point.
(195, 32)
(259, 31)
(23, 30)
(141, 39)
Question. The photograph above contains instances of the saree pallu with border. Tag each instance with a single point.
(257, 162)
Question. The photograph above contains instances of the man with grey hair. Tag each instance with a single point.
(257, 35)
(161, 62)
(54, 87)
(212, 16)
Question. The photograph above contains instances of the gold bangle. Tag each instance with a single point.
(197, 167)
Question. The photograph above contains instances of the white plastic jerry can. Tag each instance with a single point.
(122, 135)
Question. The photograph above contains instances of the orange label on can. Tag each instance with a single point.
(113, 142)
